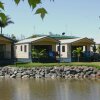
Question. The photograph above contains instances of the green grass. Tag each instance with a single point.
(88, 64)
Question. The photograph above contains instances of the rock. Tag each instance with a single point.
(18, 75)
(73, 72)
(38, 76)
(76, 76)
(13, 76)
(53, 76)
(24, 73)
(25, 76)
(67, 72)
(93, 75)
(15, 72)
(89, 72)
(98, 73)
(52, 71)
(48, 75)
(78, 70)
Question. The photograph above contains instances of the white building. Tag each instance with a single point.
(68, 45)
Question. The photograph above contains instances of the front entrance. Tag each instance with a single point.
(2, 51)
(49, 56)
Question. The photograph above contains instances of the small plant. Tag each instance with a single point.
(39, 53)
(77, 52)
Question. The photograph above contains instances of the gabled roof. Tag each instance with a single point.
(1, 35)
(74, 40)
(30, 40)
(55, 36)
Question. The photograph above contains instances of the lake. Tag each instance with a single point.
(49, 89)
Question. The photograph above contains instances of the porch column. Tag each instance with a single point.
(71, 52)
(86, 48)
(60, 51)
(12, 51)
(30, 52)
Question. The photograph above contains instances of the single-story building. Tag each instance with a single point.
(68, 45)
(23, 49)
(6, 50)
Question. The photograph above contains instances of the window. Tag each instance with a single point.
(21, 49)
(63, 48)
(58, 48)
(25, 48)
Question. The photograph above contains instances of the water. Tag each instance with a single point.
(48, 89)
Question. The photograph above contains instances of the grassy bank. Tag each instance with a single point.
(88, 64)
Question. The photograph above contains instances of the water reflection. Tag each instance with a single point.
(47, 89)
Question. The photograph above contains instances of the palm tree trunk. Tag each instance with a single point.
(1, 30)
(78, 58)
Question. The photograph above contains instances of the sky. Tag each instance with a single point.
(74, 17)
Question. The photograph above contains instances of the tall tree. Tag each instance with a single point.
(5, 23)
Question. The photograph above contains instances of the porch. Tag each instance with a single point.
(6, 50)
(46, 46)
(86, 54)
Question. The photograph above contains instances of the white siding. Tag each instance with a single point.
(67, 52)
(22, 54)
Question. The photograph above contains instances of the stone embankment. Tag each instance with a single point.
(50, 72)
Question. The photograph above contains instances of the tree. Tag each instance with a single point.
(6, 23)
(78, 52)
(94, 48)
(32, 3)
(13, 37)
(98, 48)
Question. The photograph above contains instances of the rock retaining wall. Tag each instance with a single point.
(66, 72)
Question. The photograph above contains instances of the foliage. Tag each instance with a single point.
(78, 52)
(39, 53)
(5, 23)
(41, 11)
(32, 3)
(13, 37)
(94, 48)
(74, 53)
(98, 48)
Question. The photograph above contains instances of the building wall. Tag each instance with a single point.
(8, 51)
(7, 48)
(22, 54)
(65, 56)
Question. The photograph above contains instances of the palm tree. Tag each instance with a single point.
(78, 52)
(6, 23)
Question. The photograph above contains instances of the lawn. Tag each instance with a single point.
(92, 64)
